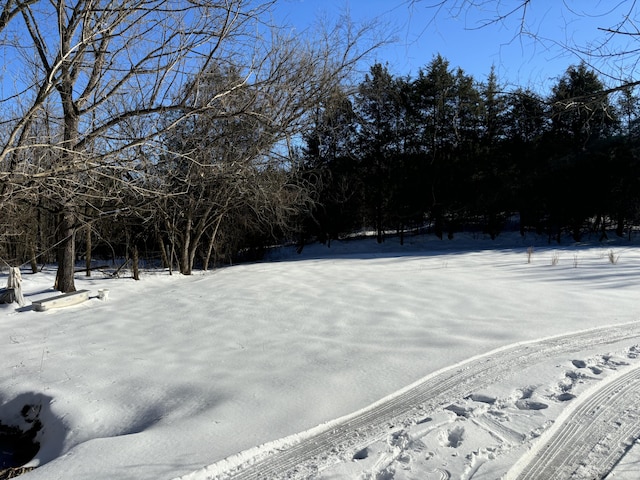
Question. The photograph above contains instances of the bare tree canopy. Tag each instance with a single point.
(603, 35)
(95, 85)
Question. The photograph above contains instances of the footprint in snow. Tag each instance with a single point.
(361, 454)
(527, 392)
(482, 398)
(452, 437)
(527, 404)
(579, 363)
(565, 397)
(460, 410)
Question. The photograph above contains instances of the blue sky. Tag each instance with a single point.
(456, 32)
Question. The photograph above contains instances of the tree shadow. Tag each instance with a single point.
(29, 431)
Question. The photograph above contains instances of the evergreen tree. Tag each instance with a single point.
(329, 163)
(581, 118)
(526, 123)
(408, 167)
(623, 169)
(449, 106)
(434, 94)
(628, 110)
(493, 176)
(581, 112)
(378, 106)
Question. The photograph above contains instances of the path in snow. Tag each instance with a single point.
(597, 433)
(306, 455)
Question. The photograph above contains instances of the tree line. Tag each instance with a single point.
(156, 127)
(445, 152)
(199, 133)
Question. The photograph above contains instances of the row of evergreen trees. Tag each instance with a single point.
(440, 150)
(446, 151)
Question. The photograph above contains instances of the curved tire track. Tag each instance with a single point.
(409, 406)
(609, 413)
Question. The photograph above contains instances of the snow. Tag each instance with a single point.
(192, 376)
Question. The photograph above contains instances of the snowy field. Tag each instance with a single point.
(433, 360)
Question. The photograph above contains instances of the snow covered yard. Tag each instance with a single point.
(171, 375)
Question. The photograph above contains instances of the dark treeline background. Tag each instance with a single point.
(443, 152)
(436, 154)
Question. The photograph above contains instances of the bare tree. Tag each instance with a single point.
(12, 8)
(233, 160)
(105, 76)
(612, 49)
(101, 66)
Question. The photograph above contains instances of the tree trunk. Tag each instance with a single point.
(163, 250)
(185, 266)
(163, 253)
(212, 241)
(34, 263)
(378, 222)
(173, 252)
(66, 251)
(620, 224)
(209, 250)
(135, 258)
(67, 218)
(196, 236)
(185, 251)
(88, 253)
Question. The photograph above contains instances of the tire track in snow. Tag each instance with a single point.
(575, 446)
(307, 454)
